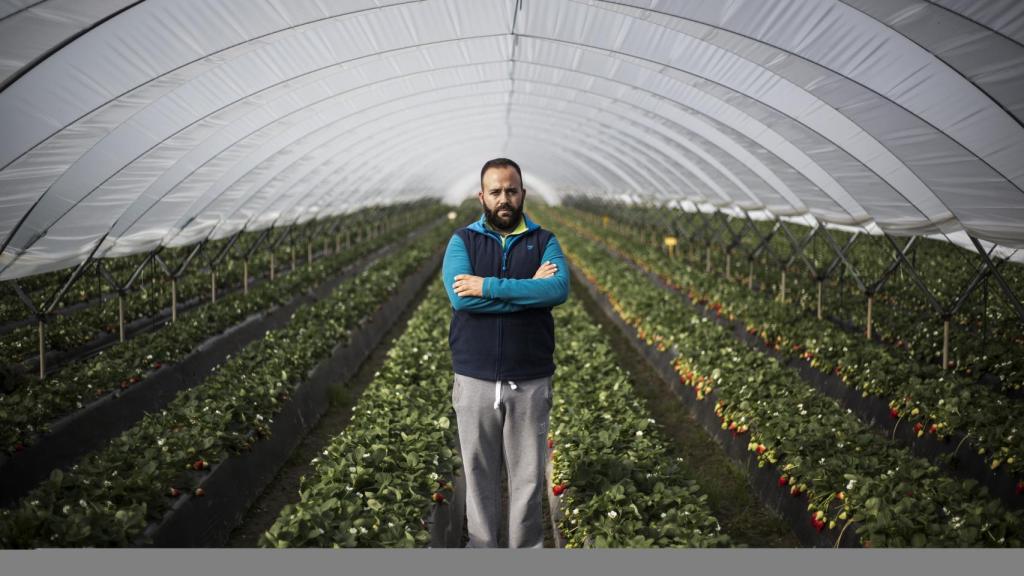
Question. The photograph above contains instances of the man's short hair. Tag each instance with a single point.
(499, 163)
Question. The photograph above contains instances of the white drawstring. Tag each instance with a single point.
(497, 392)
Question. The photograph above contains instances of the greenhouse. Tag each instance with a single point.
(251, 297)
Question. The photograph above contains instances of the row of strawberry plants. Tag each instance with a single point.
(91, 287)
(27, 412)
(375, 482)
(984, 338)
(110, 497)
(69, 331)
(850, 474)
(617, 484)
(932, 402)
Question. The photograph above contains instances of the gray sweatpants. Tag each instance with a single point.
(507, 419)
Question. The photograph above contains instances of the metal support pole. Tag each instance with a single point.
(120, 316)
(819, 298)
(213, 286)
(728, 266)
(750, 276)
(271, 266)
(782, 287)
(871, 299)
(42, 349)
(707, 264)
(291, 249)
(309, 252)
(945, 344)
(174, 300)
(245, 277)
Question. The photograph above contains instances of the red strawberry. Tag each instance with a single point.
(794, 491)
(1020, 487)
(933, 429)
(761, 448)
(157, 364)
(437, 497)
(200, 492)
(200, 465)
(557, 489)
(894, 413)
(551, 442)
(174, 492)
(918, 428)
(783, 480)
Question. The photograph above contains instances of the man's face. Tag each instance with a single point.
(502, 198)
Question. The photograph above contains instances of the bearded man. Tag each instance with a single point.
(503, 273)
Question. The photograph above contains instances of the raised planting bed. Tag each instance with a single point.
(390, 479)
(148, 384)
(964, 426)
(849, 480)
(232, 485)
(112, 497)
(611, 474)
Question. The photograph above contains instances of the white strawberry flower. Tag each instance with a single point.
(613, 514)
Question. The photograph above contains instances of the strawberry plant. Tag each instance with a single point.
(375, 482)
(617, 486)
(940, 403)
(822, 449)
(28, 411)
(110, 497)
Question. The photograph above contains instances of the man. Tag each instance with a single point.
(503, 274)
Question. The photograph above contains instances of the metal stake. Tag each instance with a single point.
(120, 315)
(42, 350)
(945, 344)
(819, 299)
(871, 299)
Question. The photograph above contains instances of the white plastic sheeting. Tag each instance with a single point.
(130, 125)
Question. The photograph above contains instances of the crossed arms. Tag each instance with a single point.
(493, 295)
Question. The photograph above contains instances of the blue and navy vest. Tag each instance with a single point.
(514, 346)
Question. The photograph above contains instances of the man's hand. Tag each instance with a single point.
(467, 285)
(546, 270)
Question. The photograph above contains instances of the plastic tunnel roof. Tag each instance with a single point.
(127, 125)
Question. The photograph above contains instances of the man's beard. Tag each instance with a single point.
(505, 224)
